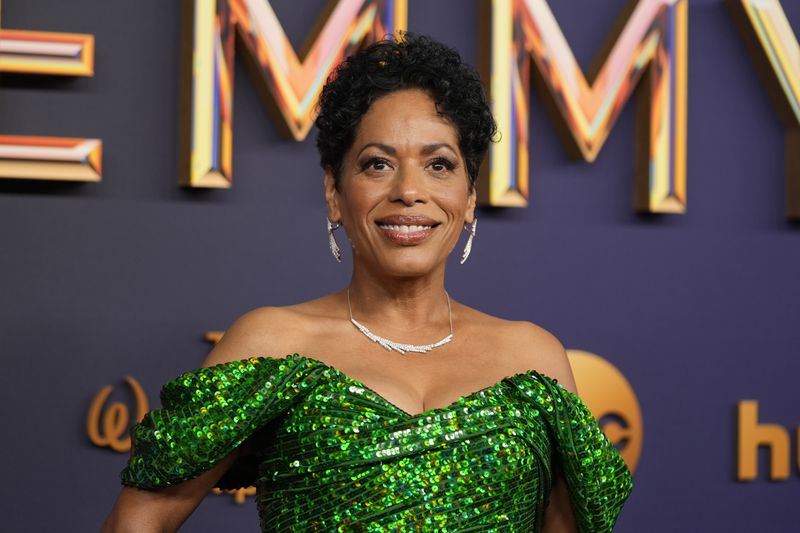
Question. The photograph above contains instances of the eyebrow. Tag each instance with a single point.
(427, 149)
(430, 148)
(385, 147)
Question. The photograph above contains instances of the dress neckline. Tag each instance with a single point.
(428, 412)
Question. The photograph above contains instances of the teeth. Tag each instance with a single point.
(406, 229)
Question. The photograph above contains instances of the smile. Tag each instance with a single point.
(407, 234)
(404, 229)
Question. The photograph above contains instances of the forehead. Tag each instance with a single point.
(405, 118)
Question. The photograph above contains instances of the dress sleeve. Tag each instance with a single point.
(206, 414)
(598, 480)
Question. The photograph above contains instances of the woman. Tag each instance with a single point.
(399, 407)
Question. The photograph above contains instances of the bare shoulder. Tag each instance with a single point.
(527, 346)
(541, 351)
(260, 332)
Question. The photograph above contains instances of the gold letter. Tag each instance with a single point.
(239, 495)
(45, 52)
(289, 84)
(773, 45)
(752, 435)
(115, 419)
(51, 158)
(651, 37)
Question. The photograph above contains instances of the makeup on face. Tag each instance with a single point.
(404, 187)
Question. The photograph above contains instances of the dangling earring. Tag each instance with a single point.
(468, 246)
(337, 253)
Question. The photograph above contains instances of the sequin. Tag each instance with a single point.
(333, 455)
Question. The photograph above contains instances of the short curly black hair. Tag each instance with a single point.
(412, 61)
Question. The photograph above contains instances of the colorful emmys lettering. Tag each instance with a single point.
(648, 49)
(50, 158)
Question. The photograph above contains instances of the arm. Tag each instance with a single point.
(165, 509)
(590, 481)
(162, 510)
(558, 516)
(545, 353)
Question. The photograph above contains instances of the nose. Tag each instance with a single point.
(408, 186)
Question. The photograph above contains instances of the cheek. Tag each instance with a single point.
(356, 206)
(456, 203)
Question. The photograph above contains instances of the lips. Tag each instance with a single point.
(407, 230)
(404, 229)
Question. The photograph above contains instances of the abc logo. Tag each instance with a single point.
(612, 401)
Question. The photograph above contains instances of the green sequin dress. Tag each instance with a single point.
(330, 454)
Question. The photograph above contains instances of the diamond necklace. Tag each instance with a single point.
(398, 346)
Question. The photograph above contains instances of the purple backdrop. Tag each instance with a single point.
(99, 281)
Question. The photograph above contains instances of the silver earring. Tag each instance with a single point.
(468, 246)
(335, 250)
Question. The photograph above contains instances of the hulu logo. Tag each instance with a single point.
(751, 435)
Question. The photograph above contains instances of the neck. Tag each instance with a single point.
(405, 303)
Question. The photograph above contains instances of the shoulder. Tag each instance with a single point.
(524, 346)
(261, 331)
(538, 349)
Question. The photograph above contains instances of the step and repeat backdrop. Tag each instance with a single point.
(158, 178)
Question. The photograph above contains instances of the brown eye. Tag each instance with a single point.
(374, 163)
(441, 165)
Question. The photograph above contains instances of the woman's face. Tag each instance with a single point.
(404, 194)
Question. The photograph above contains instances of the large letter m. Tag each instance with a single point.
(290, 84)
(648, 44)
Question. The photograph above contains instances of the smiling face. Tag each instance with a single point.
(403, 195)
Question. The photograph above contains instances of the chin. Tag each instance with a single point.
(409, 265)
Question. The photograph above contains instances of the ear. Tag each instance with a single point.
(469, 215)
(332, 197)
